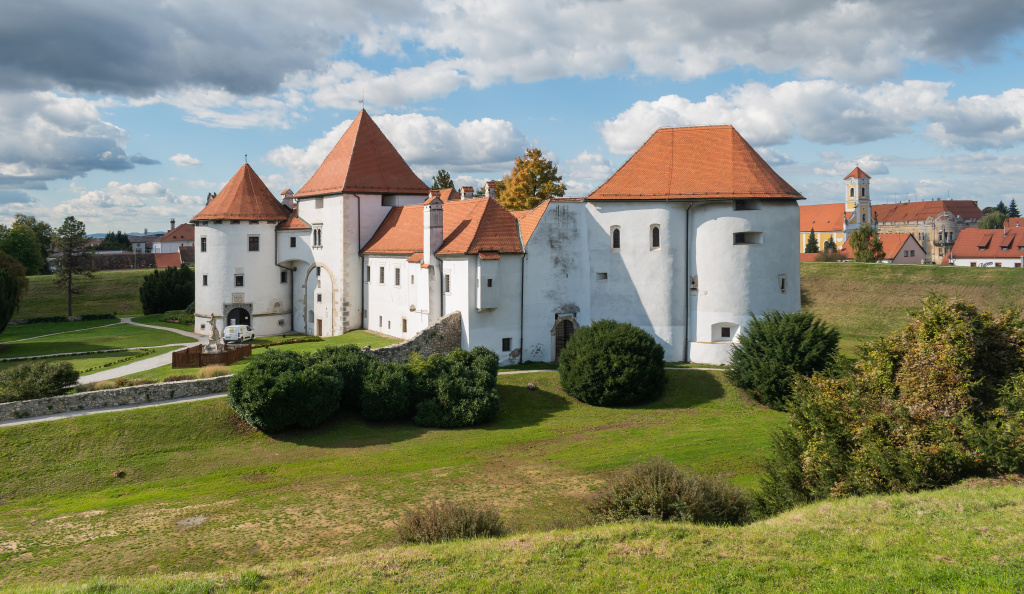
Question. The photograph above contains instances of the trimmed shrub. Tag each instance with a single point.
(386, 392)
(657, 490)
(449, 521)
(940, 401)
(611, 363)
(775, 347)
(38, 379)
(265, 392)
(457, 389)
(172, 288)
(350, 363)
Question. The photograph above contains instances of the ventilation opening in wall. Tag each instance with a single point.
(724, 332)
(747, 238)
(782, 283)
(602, 276)
(746, 205)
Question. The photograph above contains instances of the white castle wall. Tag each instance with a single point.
(486, 327)
(388, 303)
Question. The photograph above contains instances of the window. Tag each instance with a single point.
(602, 276)
(319, 298)
(291, 242)
(236, 222)
(862, 191)
(412, 279)
(506, 344)
(906, 253)
(405, 325)
(389, 324)
(380, 321)
(254, 243)
(398, 277)
(202, 244)
(863, 218)
(655, 237)
(851, 192)
(367, 274)
(205, 283)
(318, 202)
(318, 235)
(973, 264)
(239, 280)
(911, 253)
(745, 205)
(489, 282)
(615, 238)
(746, 238)
(447, 283)
(284, 276)
(726, 332)
(782, 283)
(381, 281)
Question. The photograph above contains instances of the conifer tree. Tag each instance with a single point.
(812, 243)
(442, 180)
(532, 180)
(1012, 210)
(75, 258)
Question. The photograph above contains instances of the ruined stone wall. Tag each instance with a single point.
(444, 336)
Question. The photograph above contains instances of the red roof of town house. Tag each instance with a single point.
(858, 172)
(293, 223)
(694, 163)
(183, 232)
(470, 227)
(364, 160)
(529, 219)
(822, 217)
(188, 254)
(918, 211)
(990, 243)
(892, 245)
(167, 260)
(244, 198)
(1014, 222)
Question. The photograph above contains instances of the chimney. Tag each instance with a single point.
(492, 190)
(467, 192)
(172, 225)
(288, 198)
(433, 229)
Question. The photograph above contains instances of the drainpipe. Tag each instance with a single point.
(522, 302)
(686, 270)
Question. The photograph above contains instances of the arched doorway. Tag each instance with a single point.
(239, 317)
(564, 328)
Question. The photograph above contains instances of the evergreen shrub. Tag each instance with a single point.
(386, 392)
(439, 522)
(777, 346)
(350, 363)
(612, 363)
(925, 407)
(37, 379)
(457, 389)
(279, 390)
(657, 489)
(169, 289)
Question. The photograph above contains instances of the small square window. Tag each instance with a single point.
(239, 280)
(318, 203)
(490, 282)
(506, 344)
(726, 332)
(291, 242)
(205, 283)
(284, 276)
(602, 276)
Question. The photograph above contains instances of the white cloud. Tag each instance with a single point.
(346, 85)
(873, 165)
(124, 205)
(827, 111)
(185, 160)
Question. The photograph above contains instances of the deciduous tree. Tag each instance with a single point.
(993, 220)
(867, 247)
(74, 259)
(21, 243)
(44, 233)
(532, 179)
(13, 286)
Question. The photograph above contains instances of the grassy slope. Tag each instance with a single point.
(81, 363)
(866, 301)
(333, 490)
(109, 291)
(24, 331)
(114, 336)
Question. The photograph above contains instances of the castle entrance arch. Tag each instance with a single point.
(239, 317)
(565, 326)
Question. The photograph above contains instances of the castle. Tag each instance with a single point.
(692, 234)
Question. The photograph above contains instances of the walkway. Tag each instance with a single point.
(141, 364)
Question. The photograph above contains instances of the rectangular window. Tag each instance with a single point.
(398, 276)
(318, 236)
(906, 253)
(782, 283)
(239, 280)
(291, 242)
(254, 244)
(318, 203)
(506, 344)
(284, 276)
(412, 279)
(319, 298)
(205, 283)
(447, 283)
(405, 325)
(202, 244)
(367, 274)
(490, 282)
(746, 238)
(911, 253)
(602, 276)
(973, 264)
(236, 222)
(381, 281)
(380, 321)
(745, 205)
(726, 331)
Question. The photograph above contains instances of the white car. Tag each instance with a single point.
(238, 333)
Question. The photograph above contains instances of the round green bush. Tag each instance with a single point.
(612, 363)
(386, 392)
(457, 389)
(36, 379)
(350, 363)
(776, 346)
(280, 389)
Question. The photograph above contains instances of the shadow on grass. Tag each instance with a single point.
(348, 430)
(687, 389)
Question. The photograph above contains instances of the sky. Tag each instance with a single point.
(125, 114)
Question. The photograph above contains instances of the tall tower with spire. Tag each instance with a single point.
(858, 198)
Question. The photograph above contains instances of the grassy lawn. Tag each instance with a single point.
(117, 336)
(866, 301)
(335, 490)
(108, 291)
(960, 539)
(83, 362)
(22, 331)
(154, 320)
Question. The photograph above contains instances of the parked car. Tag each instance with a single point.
(238, 333)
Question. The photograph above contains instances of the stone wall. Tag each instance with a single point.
(115, 397)
(444, 336)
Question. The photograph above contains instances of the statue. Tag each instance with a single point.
(214, 345)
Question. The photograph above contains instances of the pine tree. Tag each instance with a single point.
(830, 245)
(1001, 207)
(1012, 210)
(812, 243)
(442, 180)
(532, 179)
(75, 258)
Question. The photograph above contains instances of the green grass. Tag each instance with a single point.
(337, 489)
(108, 291)
(22, 331)
(83, 362)
(117, 336)
(156, 320)
(865, 301)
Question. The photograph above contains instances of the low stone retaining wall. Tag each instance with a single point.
(444, 336)
(114, 397)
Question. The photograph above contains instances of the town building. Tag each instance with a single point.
(935, 223)
(685, 240)
(1000, 248)
(899, 248)
(836, 221)
(181, 236)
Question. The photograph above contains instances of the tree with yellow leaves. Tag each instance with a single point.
(532, 179)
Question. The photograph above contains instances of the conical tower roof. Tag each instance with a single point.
(364, 160)
(694, 163)
(857, 172)
(246, 198)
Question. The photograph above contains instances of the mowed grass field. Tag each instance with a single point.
(112, 336)
(109, 291)
(201, 491)
(865, 301)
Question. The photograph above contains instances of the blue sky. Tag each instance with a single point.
(125, 114)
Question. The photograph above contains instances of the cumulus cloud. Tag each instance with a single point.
(828, 111)
(873, 165)
(346, 85)
(15, 197)
(185, 160)
(125, 205)
(48, 136)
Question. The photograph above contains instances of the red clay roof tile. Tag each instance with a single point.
(859, 173)
(822, 217)
(989, 243)
(245, 198)
(470, 227)
(529, 219)
(167, 260)
(183, 232)
(694, 163)
(293, 223)
(919, 211)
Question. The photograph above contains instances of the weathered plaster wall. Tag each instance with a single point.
(442, 337)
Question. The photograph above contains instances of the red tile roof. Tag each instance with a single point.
(919, 211)
(363, 161)
(809, 257)
(693, 163)
(1014, 222)
(244, 198)
(293, 223)
(470, 227)
(989, 243)
(858, 172)
(183, 232)
(529, 219)
(822, 217)
(167, 260)
(892, 245)
(187, 253)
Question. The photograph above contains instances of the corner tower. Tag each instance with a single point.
(858, 198)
